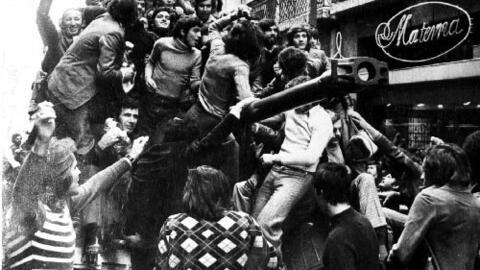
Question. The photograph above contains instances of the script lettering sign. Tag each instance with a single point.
(426, 40)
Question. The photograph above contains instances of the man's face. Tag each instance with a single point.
(204, 9)
(337, 130)
(271, 35)
(372, 169)
(17, 140)
(72, 22)
(300, 40)
(162, 20)
(193, 36)
(337, 133)
(128, 119)
(140, 7)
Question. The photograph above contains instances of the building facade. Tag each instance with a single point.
(432, 50)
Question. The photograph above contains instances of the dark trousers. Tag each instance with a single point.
(73, 123)
(157, 110)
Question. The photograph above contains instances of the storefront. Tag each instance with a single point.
(433, 52)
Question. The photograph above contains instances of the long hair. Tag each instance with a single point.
(123, 11)
(447, 164)
(297, 29)
(207, 193)
(242, 40)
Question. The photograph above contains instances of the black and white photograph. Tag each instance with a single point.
(240, 134)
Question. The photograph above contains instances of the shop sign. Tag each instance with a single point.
(401, 40)
(418, 132)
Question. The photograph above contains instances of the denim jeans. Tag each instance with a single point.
(367, 201)
(282, 189)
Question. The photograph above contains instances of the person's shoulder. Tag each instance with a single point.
(240, 217)
(196, 52)
(317, 53)
(165, 40)
(177, 217)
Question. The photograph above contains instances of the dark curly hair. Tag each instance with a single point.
(292, 61)
(173, 19)
(207, 193)
(184, 24)
(243, 40)
(216, 4)
(123, 11)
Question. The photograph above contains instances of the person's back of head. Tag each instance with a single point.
(123, 11)
(243, 41)
(207, 193)
(292, 61)
(447, 164)
(332, 180)
(471, 145)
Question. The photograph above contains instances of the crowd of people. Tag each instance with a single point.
(141, 142)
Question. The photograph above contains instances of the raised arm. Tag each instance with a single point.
(29, 183)
(217, 46)
(410, 167)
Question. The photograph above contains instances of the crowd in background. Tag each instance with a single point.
(142, 143)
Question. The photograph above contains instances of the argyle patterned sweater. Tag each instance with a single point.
(235, 241)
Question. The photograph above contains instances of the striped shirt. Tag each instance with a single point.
(51, 247)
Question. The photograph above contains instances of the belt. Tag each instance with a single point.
(295, 169)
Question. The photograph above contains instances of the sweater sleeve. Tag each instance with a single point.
(49, 35)
(28, 185)
(242, 83)
(195, 75)
(101, 181)
(217, 46)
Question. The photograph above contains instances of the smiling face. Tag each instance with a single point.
(71, 23)
(192, 37)
(162, 20)
(128, 119)
(300, 40)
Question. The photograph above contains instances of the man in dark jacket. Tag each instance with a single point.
(91, 66)
(351, 243)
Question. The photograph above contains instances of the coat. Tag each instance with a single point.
(90, 65)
